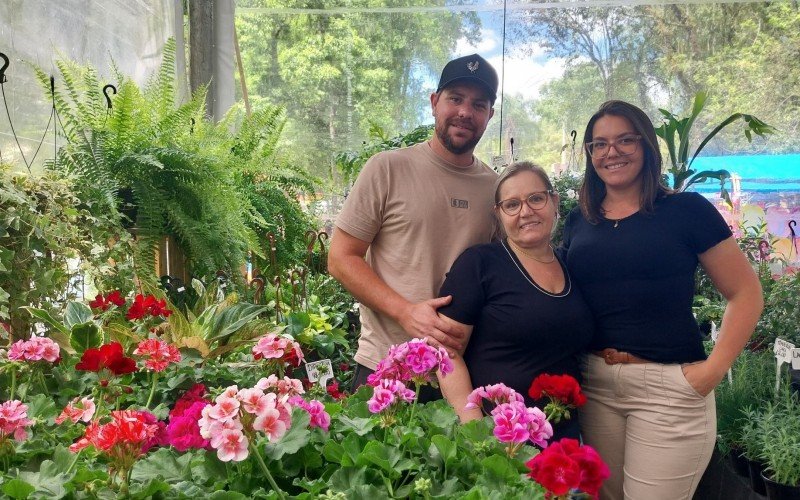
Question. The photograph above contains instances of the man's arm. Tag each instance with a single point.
(346, 263)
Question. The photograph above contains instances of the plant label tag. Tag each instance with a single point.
(320, 371)
(783, 354)
(783, 351)
(796, 359)
(181, 289)
(714, 332)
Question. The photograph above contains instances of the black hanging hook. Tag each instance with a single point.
(6, 62)
(105, 93)
(574, 135)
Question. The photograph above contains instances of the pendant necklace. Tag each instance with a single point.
(552, 253)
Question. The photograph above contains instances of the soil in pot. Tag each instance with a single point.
(778, 491)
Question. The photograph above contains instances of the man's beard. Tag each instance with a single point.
(447, 141)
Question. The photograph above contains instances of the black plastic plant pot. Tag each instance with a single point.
(778, 491)
(756, 477)
(738, 462)
(795, 380)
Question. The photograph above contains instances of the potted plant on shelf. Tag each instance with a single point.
(780, 450)
(750, 386)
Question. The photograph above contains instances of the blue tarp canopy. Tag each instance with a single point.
(760, 173)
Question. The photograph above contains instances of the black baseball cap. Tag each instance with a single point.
(472, 68)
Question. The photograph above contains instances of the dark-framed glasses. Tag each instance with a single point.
(535, 201)
(625, 145)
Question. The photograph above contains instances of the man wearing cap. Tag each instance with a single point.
(411, 212)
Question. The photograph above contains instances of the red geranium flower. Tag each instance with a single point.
(566, 465)
(99, 302)
(116, 298)
(144, 305)
(563, 388)
(108, 356)
(334, 392)
(103, 303)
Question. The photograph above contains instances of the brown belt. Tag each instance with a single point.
(615, 357)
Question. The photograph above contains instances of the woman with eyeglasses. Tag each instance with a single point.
(633, 247)
(515, 300)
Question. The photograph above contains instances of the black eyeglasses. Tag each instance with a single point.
(625, 146)
(535, 201)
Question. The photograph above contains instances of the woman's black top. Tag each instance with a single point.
(519, 329)
(638, 275)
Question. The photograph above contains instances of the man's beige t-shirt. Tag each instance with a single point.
(418, 212)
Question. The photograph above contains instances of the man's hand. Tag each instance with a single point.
(420, 320)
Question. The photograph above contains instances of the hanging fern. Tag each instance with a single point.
(217, 192)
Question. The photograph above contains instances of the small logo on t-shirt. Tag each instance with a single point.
(456, 203)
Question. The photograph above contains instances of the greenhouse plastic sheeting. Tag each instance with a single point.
(37, 32)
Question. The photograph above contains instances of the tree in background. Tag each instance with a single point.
(339, 74)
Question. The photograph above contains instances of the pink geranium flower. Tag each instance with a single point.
(270, 423)
(35, 349)
(183, 431)
(14, 420)
(225, 409)
(380, 400)
(278, 347)
(79, 409)
(413, 360)
(232, 446)
(316, 410)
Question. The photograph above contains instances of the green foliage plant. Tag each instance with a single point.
(780, 440)
(49, 238)
(751, 385)
(153, 160)
(350, 163)
(567, 185)
(781, 316)
(677, 134)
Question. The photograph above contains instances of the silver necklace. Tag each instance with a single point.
(552, 253)
(567, 286)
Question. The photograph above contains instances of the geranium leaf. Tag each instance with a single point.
(163, 464)
(333, 451)
(389, 459)
(497, 471)
(48, 480)
(352, 447)
(77, 313)
(446, 448)
(206, 466)
(297, 437)
(85, 336)
(360, 426)
(227, 495)
(347, 477)
(149, 490)
(18, 489)
(41, 407)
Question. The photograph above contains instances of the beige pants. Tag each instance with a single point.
(655, 432)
